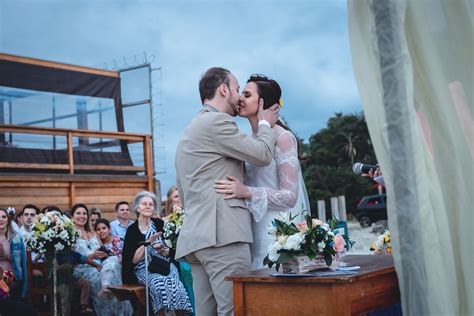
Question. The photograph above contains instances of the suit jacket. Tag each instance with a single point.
(213, 148)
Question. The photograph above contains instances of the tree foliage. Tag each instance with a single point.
(330, 154)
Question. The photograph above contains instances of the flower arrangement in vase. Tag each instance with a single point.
(301, 247)
(383, 244)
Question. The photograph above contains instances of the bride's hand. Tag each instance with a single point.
(233, 188)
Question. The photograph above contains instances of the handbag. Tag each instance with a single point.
(159, 265)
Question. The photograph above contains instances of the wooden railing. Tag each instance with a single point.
(70, 166)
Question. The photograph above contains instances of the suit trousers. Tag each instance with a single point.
(209, 267)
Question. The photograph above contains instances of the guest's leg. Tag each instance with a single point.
(85, 288)
(218, 262)
(205, 301)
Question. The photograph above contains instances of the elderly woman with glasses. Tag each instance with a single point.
(166, 290)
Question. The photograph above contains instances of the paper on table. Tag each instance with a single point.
(353, 268)
(313, 274)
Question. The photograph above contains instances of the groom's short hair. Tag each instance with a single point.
(211, 80)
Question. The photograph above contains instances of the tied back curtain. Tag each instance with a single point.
(414, 67)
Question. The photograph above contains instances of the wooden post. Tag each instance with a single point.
(72, 194)
(148, 162)
(342, 207)
(322, 210)
(334, 207)
(70, 155)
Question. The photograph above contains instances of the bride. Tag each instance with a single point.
(276, 187)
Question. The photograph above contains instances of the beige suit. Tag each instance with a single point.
(216, 232)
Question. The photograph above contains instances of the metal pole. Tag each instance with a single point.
(334, 207)
(146, 281)
(322, 210)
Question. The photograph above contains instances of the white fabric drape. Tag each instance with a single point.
(414, 67)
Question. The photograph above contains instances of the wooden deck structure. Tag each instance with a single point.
(88, 166)
(70, 187)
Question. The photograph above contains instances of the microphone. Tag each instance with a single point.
(144, 243)
(360, 168)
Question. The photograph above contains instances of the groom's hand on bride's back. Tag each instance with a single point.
(270, 115)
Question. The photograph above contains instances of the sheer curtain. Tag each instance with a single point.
(414, 67)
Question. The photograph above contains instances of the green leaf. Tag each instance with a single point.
(309, 222)
(328, 258)
(284, 257)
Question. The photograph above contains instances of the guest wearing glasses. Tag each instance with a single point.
(166, 290)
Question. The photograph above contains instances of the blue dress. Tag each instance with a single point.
(166, 292)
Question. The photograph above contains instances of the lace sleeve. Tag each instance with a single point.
(285, 197)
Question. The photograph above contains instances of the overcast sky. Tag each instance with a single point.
(304, 45)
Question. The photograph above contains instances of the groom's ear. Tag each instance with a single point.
(223, 90)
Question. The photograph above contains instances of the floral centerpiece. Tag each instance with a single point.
(304, 246)
(51, 233)
(383, 244)
(173, 226)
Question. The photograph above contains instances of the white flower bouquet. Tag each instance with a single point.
(312, 239)
(173, 226)
(52, 232)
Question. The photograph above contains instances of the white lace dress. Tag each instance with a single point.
(276, 187)
(109, 275)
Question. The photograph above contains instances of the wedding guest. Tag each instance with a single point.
(100, 269)
(19, 220)
(118, 227)
(30, 212)
(112, 244)
(51, 208)
(185, 274)
(95, 215)
(13, 255)
(11, 214)
(172, 200)
(166, 290)
(8, 306)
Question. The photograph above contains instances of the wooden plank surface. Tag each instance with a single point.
(33, 191)
(22, 177)
(370, 266)
(18, 165)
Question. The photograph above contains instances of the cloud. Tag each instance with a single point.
(302, 44)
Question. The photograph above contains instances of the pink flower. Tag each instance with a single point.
(339, 243)
(302, 227)
(317, 222)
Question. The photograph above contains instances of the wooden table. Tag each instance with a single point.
(374, 286)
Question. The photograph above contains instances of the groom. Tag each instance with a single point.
(216, 233)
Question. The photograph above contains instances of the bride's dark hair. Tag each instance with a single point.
(270, 91)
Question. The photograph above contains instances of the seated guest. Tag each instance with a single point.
(11, 214)
(50, 208)
(166, 290)
(112, 244)
(94, 216)
(19, 219)
(13, 255)
(102, 270)
(118, 227)
(30, 212)
(8, 306)
(172, 200)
